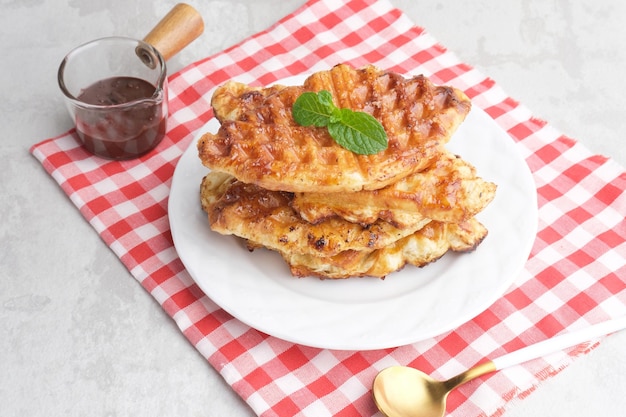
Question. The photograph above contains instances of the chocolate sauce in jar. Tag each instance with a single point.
(119, 131)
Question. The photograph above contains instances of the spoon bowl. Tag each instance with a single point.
(401, 391)
(404, 391)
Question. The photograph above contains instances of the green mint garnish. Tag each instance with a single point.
(356, 131)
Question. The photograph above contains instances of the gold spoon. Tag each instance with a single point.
(400, 391)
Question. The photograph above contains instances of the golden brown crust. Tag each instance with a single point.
(232, 99)
(266, 218)
(332, 213)
(448, 190)
(260, 143)
(334, 248)
(418, 249)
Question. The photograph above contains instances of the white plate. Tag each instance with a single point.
(365, 313)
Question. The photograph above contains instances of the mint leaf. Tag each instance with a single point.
(326, 99)
(310, 110)
(358, 132)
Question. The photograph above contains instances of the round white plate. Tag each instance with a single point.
(365, 313)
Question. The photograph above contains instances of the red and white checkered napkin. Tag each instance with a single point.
(576, 274)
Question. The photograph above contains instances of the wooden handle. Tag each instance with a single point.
(176, 30)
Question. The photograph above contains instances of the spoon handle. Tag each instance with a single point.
(559, 343)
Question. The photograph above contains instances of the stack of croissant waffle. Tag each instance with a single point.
(328, 211)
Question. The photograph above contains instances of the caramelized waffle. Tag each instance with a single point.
(448, 190)
(265, 218)
(418, 249)
(232, 99)
(327, 211)
(259, 143)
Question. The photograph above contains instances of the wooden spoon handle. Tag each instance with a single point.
(176, 30)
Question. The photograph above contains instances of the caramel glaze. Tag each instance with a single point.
(419, 249)
(449, 190)
(264, 145)
(266, 218)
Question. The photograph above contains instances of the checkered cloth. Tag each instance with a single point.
(575, 276)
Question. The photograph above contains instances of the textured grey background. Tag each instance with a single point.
(78, 335)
